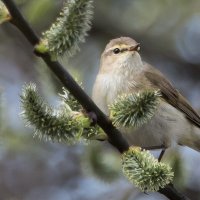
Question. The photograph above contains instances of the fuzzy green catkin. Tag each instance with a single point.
(62, 124)
(4, 13)
(48, 123)
(69, 99)
(70, 28)
(143, 170)
(134, 109)
(88, 132)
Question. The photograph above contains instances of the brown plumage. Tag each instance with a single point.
(171, 95)
(123, 71)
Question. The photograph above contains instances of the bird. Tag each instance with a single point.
(122, 71)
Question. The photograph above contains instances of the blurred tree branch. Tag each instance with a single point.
(115, 137)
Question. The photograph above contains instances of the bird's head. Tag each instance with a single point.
(121, 53)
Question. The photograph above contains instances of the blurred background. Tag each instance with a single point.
(31, 169)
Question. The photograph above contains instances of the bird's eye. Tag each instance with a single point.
(116, 51)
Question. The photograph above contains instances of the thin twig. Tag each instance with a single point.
(115, 137)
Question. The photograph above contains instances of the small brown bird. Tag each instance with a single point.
(122, 71)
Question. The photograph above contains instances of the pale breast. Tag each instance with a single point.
(118, 85)
(109, 86)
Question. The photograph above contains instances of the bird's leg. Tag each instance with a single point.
(161, 154)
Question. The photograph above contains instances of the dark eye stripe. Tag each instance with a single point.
(124, 49)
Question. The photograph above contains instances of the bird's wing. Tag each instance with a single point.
(171, 95)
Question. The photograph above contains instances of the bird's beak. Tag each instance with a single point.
(135, 47)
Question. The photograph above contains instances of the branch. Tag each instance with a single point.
(65, 124)
(114, 136)
(171, 192)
